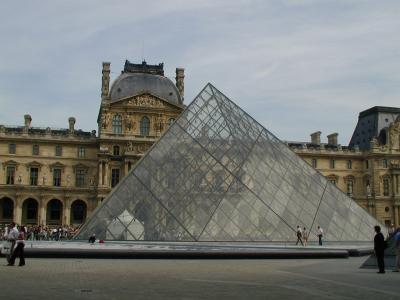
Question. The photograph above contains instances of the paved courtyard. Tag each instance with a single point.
(196, 279)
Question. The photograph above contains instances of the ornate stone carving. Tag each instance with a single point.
(146, 101)
(394, 134)
(130, 124)
(136, 148)
(106, 120)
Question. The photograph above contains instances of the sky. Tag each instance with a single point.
(296, 66)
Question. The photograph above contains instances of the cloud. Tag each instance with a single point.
(296, 66)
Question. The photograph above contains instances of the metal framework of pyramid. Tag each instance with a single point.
(218, 175)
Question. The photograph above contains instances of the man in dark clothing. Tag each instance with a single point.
(379, 247)
(299, 235)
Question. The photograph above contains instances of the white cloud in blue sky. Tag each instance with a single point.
(295, 66)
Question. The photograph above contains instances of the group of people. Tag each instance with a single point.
(43, 233)
(380, 244)
(303, 235)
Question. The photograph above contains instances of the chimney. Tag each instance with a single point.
(71, 121)
(332, 139)
(28, 120)
(180, 75)
(316, 137)
(105, 80)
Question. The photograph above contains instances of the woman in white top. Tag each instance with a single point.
(19, 249)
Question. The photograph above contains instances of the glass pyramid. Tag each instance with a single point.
(218, 175)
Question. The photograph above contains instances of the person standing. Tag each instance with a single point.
(320, 234)
(305, 236)
(12, 238)
(299, 235)
(397, 249)
(19, 249)
(379, 248)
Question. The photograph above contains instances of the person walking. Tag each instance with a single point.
(397, 249)
(19, 249)
(379, 248)
(299, 235)
(305, 237)
(320, 234)
(12, 238)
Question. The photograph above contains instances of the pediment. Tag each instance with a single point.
(80, 166)
(34, 164)
(147, 100)
(11, 163)
(56, 165)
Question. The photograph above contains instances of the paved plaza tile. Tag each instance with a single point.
(196, 279)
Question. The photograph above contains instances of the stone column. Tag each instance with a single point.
(42, 213)
(18, 212)
(101, 173)
(126, 169)
(66, 220)
(396, 215)
(106, 183)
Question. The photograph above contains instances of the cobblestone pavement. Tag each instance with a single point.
(196, 279)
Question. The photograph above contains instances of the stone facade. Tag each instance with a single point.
(59, 176)
(370, 176)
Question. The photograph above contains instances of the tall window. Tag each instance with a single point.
(80, 177)
(12, 148)
(350, 186)
(116, 150)
(117, 124)
(314, 163)
(171, 121)
(145, 126)
(58, 150)
(367, 164)
(349, 164)
(10, 175)
(386, 187)
(35, 149)
(33, 178)
(332, 163)
(384, 163)
(81, 151)
(57, 177)
(114, 177)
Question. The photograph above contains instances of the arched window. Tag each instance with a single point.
(78, 212)
(382, 138)
(117, 124)
(145, 126)
(54, 212)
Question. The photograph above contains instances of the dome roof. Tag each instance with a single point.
(131, 84)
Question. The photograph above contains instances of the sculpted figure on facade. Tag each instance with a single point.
(394, 133)
(130, 124)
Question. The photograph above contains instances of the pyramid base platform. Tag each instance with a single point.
(193, 250)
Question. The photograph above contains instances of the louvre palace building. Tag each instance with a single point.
(58, 177)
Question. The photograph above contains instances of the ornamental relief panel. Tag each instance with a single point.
(136, 148)
(146, 101)
(394, 134)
